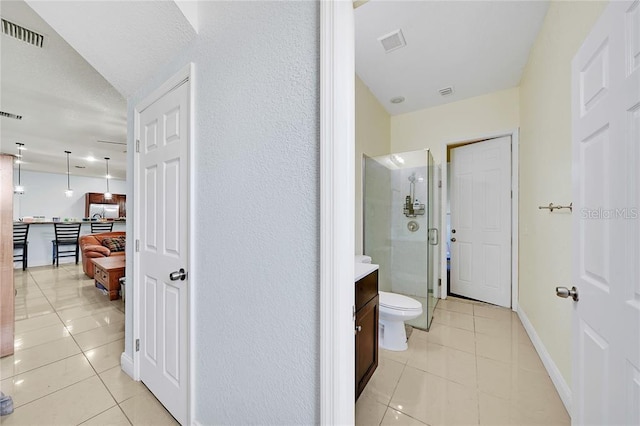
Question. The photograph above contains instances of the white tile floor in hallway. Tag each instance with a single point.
(475, 366)
(66, 366)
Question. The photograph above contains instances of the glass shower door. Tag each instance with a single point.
(398, 221)
(433, 238)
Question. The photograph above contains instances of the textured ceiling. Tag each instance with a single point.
(126, 41)
(476, 46)
(65, 103)
(72, 92)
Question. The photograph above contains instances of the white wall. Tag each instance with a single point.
(457, 121)
(373, 133)
(545, 175)
(44, 194)
(256, 277)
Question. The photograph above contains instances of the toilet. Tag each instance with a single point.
(395, 309)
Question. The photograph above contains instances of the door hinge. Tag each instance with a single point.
(137, 145)
(439, 184)
(353, 312)
(137, 345)
(137, 245)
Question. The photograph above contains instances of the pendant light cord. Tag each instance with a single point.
(68, 172)
(107, 158)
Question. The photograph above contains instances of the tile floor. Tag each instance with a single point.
(475, 366)
(66, 366)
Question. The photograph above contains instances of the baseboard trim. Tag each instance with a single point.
(126, 363)
(564, 390)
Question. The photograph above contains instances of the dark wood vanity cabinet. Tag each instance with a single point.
(366, 329)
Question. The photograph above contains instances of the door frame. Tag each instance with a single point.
(337, 212)
(186, 73)
(514, 134)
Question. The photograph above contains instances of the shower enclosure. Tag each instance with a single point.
(400, 232)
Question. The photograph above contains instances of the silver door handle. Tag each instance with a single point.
(565, 292)
(358, 329)
(178, 275)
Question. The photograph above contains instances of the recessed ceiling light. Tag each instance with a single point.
(91, 159)
(397, 100)
(397, 159)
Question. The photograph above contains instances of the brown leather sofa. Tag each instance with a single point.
(91, 247)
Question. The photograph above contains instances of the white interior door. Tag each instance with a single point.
(163, 234)
(480, 237)
(606, 191)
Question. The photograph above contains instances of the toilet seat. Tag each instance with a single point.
(399, 302)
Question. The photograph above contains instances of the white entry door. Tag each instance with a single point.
(606, 229)
(480, 239)
(163, 234)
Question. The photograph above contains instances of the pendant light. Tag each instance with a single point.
(19, 189)
(107, 195)
(69, 192)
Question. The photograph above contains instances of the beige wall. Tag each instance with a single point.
(373, 125)
(462, 120)
(545, 175)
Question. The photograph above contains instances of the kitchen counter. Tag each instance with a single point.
(41, 234)
(363, 269)
(82, 222)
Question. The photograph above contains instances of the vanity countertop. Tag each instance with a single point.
(363, 269)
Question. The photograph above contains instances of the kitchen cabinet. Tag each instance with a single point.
(98, 198)
(367, 313)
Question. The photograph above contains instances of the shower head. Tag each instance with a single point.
(412, 178)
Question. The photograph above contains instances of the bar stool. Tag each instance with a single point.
(67, 234)
(100, 227)
(20, 232)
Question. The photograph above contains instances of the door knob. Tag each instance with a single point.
(453, 231)
(453, 240)
(565, 292)
(178, 275)
(358, 329)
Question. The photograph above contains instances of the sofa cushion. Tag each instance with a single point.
(114, 244)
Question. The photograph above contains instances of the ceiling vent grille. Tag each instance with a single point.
(446, 91)
(111, 142)
(392, 41)
(9, 115)
(22, 33)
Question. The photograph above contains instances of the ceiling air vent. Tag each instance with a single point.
(392, 41)
(111, 142)
(446, 91)
(9, 115)
(22, 33)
